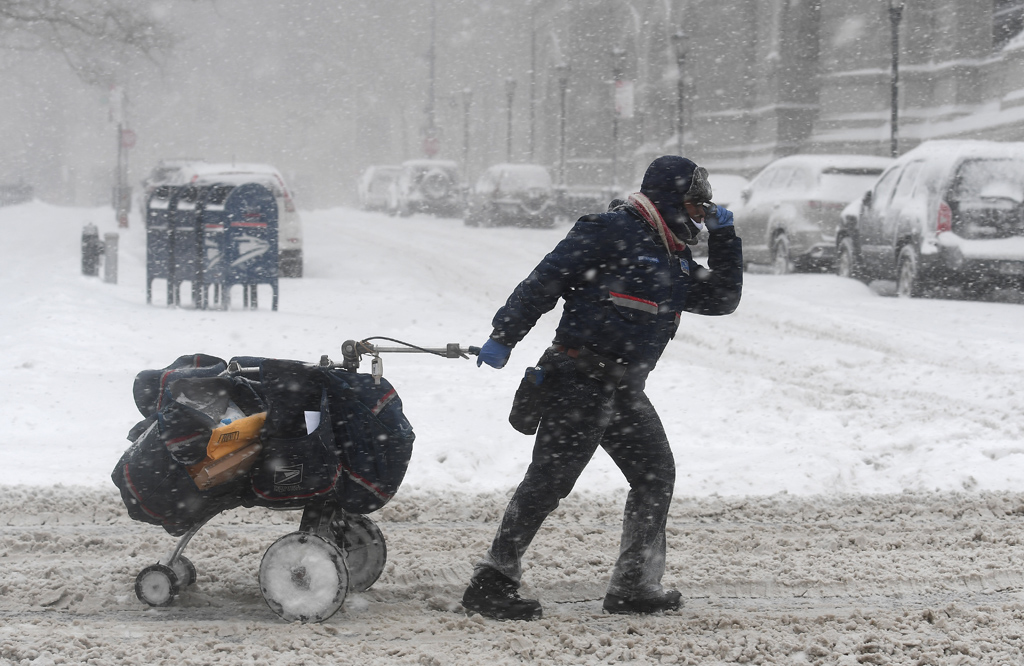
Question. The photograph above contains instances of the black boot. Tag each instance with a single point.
(495, 595)
(669, 600)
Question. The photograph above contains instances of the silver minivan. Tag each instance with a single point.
(946, 214)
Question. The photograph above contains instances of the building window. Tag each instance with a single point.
(1007, 21)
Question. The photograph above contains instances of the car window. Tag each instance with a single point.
(908, 180)
(780, 178)
(520, 180)
(846, 184)
(884, 188)
(763, 180)
(486, 184)
(800, 179)
(380, 183)
(989, 179)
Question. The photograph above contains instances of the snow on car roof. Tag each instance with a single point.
(965, 148)
(446, 164)
(842, 161)
(232, 174)
(204, 169)
(518, 167)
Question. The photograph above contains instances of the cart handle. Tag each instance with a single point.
(353, 350)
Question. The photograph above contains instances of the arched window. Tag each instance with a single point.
(1007, 21)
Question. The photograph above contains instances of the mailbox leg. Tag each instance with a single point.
(274, 303)
(252, 297)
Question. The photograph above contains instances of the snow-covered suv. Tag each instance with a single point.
(427, 186)
(947, 213)
(516, 194)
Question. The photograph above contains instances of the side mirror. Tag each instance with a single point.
(866, 201)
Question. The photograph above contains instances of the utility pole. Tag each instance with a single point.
(895, 16)
(533, 77)
(562, 69)
(430, 138)
(618, 68)
(122, 192)
(467, 102)
(510, 91)
(679, 43)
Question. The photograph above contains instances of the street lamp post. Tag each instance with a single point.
(467, 102)
(510, 92)
(533, 77)
(895, 16)
(562, 69)
(618, 66)
(679, 44)
(430, 132)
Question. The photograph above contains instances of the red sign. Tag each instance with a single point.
(127, 138)
(431, 145)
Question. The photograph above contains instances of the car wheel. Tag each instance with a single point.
(781, 264)
(846, 261)
(289, 264)
(908, 281)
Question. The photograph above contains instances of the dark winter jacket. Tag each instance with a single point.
(624, 292)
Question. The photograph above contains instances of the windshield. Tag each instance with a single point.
(990, 179)
(847, 184)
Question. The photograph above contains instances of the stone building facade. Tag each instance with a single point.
(766, 78)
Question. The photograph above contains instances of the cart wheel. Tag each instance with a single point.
(185, 571)
(303, 577)
(365, 550)
(156, 585)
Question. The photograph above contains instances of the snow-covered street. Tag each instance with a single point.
(849, 484)
(915, 578)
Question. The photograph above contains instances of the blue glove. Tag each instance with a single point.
(717, 217)
(494, 354)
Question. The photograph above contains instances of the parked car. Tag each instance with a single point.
(427, 186)
(727, 189)
(15, 193)
(375, 186)
(289, 235)
(516, 194)
(789, 215)
(947, 213)
(166, 172)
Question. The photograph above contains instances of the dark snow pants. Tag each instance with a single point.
(584, 413)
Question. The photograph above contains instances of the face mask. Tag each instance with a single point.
(685, 228)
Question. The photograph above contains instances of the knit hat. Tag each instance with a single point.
(677, 176)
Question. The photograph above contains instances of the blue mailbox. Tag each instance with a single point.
(249, 243)
(215, 235)
(159, 210)
(173, 245)
(212, 220)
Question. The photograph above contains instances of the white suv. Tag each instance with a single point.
(289, 237)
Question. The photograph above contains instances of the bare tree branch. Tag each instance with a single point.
(94, 37)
